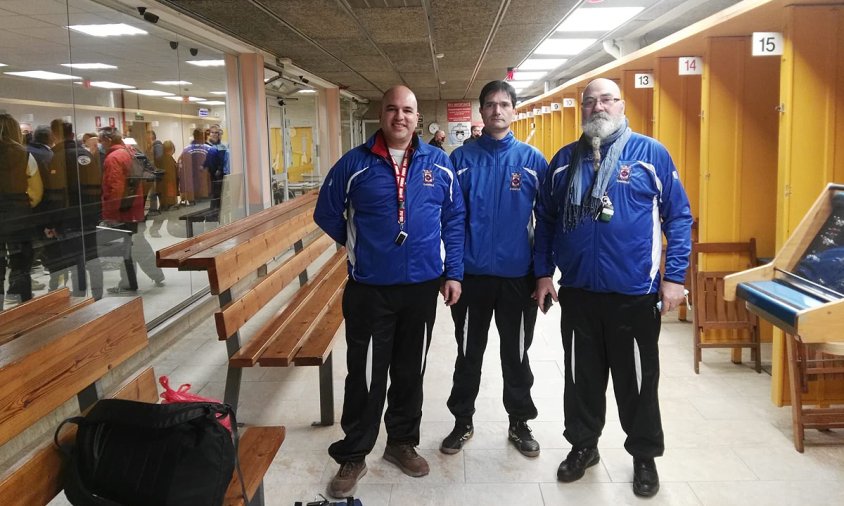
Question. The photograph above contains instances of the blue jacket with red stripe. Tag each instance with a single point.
(500, 180)
(622, 255)
(358, 207)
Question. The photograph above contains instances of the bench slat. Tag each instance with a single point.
(37, 312)
(288, 338)
(321, 339)
(256, 450)
(227, 268)
(238, 312)
(172, 256)
(252, 350)
(51, 364)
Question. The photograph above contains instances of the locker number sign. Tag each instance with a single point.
(643, 80)
(569, 102)
(767, 43)
(690, 65)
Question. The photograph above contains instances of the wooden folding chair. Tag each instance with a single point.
(720, 323)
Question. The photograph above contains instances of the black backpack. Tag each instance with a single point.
(130, 453)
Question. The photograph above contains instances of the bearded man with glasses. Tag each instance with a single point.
(601, 214)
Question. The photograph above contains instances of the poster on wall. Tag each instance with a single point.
(459, 116)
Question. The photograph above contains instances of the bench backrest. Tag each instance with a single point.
(48, 365)
(37, 312)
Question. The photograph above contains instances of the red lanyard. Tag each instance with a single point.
(401, 183)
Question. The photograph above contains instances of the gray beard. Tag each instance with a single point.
(600, 125)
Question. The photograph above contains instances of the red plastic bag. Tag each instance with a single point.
(170, 396)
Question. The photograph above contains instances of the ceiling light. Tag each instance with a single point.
(189, 99)
(172, 83)
(520, 75)
(541, 63)
(109, 85)
(563, 46)
(601, 19)
(218, 92)
(440, 55)
(88, 66)
(108, 30)
(40, 74)
(207, 63)
(3, 65)
(212, 102)
(307, 91)
(151, 93)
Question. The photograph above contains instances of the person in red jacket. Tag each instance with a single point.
(116, 169)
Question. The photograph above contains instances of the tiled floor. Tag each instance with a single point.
(726, 443)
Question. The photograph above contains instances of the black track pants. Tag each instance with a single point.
(515, 317)
(610, 333)
(388, 330)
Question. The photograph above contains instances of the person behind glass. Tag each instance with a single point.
(155, 152)
(500, 178)
(476, 133)
(126, 214)
(396, 206)
(21, 190)
(82, 191)
(217, 164)
(191, 161)
(438, 139)
(92, 144)
(168, 186)
(601, 215)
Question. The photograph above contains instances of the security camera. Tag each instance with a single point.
(281, 102)
(303, 79)
(141, 10)
(174, 44)
(152, 18)
(194, 51)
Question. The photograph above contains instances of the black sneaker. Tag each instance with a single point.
(645, 478)
(522, 438)
(453, 443)
(574, 467)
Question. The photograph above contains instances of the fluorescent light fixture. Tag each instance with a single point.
(521, 75)
(541, 63)
(598, 19)
(40, 74)
(307, 91)
(212, 102)
(3, 65)
(152, 93)
(207, 63)
(88, 66)
(190, 99)
(563, 46)
(110, 86)
(108, 30)
(218, 92)
(172, 83)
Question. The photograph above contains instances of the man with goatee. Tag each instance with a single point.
(395, 204)
(602, 211)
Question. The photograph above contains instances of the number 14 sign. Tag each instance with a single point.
(690, 65)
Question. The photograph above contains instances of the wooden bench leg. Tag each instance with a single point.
(795, 382)
(326, 393)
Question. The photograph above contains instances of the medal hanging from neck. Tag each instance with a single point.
(400, 171)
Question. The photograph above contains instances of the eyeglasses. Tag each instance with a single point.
(605, 100)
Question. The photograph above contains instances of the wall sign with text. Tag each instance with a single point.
(643, 80)
(767, 44)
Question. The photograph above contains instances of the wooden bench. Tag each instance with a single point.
(300, 333)
(201, 216)
(47, 362)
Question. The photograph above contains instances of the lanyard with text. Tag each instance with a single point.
(401, 185)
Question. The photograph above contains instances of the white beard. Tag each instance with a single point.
(602, 124)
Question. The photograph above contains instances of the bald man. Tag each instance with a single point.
(602, 211)
(395, 204)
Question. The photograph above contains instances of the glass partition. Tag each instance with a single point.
(91, 88)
